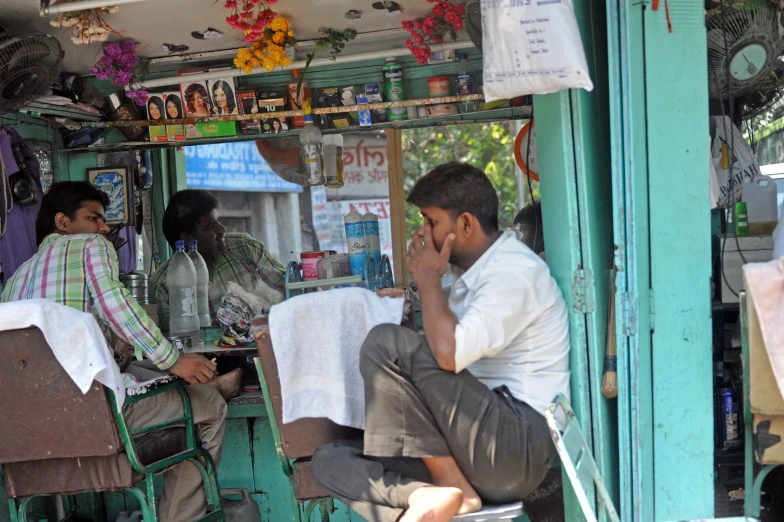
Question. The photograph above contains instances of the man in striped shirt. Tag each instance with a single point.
(77, 266)
(192, 214)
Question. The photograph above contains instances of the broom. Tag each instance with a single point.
(610, 377)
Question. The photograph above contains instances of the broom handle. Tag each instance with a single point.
(610, 377)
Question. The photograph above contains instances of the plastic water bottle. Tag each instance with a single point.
(370, 224)
(333, 160)
(183, 308)
(310, 145)
(202, 284)
(357, 243)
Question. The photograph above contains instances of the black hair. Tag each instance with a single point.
(458, 188)
(228, 91)
(185, 210)
(531, 216)
(173, 98)
(158, 102)
(66, 197)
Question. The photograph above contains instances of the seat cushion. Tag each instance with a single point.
(305, 487)
(72, 475)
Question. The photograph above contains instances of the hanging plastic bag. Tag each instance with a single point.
(531, 47)
(730, 153)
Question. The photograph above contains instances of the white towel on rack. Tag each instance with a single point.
(75, 338)
(316, 339)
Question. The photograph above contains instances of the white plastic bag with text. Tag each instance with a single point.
(531, 47)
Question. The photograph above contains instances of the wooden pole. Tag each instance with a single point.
(397, 203)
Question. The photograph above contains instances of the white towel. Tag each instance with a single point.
(765, 283)
(316, 339)
(75, 338)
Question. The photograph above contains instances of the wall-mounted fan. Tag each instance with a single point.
(745, 49)
(29, 64)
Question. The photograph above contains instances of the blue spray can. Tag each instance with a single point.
(370, 224)
(357, 243)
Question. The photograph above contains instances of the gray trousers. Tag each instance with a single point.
(414, 409)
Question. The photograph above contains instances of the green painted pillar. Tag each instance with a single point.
(680, 240)
(161, 192)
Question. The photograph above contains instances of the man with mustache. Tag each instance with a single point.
(237, 257)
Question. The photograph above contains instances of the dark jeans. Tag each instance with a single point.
(414, 409)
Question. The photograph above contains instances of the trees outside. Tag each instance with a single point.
(488, 146)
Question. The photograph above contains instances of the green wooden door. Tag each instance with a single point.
(573, 144)
(659, 149)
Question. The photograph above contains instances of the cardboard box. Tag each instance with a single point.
(211, 130)
(764, 394)
(174, 111)
(373, 94)
(331, 98)
(156, 111)
(247, 103)
(767, 404)
(273, 102)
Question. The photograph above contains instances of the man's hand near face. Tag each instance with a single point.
(427, 265)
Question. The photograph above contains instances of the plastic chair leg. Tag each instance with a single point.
(143, 504)
(752, 504)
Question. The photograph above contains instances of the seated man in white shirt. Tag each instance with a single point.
(456, 418)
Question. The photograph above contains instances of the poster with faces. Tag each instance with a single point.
(196, 101)
(156, 111)
(224, 101)
(174, 111)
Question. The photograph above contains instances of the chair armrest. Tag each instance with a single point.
(127, 434)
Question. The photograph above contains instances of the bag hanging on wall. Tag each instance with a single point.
(732, 162)
(20, 165)
(531, 48)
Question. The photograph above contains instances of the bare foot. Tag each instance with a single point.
(228, 384)
(447, 474)
(433, 504)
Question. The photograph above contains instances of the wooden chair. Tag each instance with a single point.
(57, 441)
(295, 442)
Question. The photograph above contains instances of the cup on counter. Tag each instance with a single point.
(309, 264)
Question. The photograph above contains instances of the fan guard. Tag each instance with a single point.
(29, 64)
(743, 46)
(771, 90)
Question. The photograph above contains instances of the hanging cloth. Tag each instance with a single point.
(18, 244)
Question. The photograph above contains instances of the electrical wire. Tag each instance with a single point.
(731, 136)
(8, 200)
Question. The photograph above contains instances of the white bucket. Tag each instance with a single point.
(759, 193)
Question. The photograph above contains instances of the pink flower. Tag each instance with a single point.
(438, 10)
(407, 25)
(113, 49)
(418, 38)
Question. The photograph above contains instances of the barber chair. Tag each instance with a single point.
(57, 441)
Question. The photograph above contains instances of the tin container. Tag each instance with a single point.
(394, 89)
(137, 284)
(357, 243)
(310, 264)
(446, 109)
(728, 419)
(438, 86)
(181, 343)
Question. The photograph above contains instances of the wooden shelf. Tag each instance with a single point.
(508, 113)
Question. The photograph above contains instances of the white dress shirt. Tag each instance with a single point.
(513, 326)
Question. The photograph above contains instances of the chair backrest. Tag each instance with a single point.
(578, 462)
(43, 414)
(301, 437)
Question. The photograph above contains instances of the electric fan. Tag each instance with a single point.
(29, 64)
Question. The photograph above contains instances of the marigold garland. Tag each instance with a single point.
(269, 50)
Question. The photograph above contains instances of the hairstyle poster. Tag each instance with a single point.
(174, 111)
(223, 97)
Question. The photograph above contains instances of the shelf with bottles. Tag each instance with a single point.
(496, 114)
(375, 276)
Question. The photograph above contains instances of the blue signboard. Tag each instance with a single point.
(232, 166)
